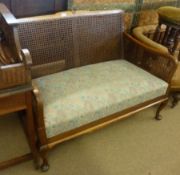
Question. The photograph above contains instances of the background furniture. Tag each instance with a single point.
(16, 100)
(15, 83)
(138, 12)
(146, 34)
(170, 17)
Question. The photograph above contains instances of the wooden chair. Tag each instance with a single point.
(15, 83)
(170, 17)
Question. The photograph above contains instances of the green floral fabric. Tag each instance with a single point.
(82, 95)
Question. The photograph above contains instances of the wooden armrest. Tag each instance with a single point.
(160, 64)
(8, 33)
(7, 15)
(26, 57)
(143, 33)
(15, 62)
(39, 112)
(16, 74)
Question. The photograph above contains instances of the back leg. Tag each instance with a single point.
(45, 164)
(175, 100)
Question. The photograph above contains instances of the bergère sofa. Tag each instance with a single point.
(86, 72)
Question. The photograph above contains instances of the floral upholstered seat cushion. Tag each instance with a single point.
(82, 95)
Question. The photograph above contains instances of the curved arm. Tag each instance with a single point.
(39, 114)
(141, 33)
(7, 15)
(38, 105)
(9, 33)
(158, 63)
(26, 57)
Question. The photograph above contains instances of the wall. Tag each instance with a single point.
(22, 8)
(138, 12)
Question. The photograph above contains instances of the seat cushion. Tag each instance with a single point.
(171, 14)
(82, 95)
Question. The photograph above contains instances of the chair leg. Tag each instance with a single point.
(45, 164)
(160, 108)
(175, 100)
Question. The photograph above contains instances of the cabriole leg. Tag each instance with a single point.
(160, 108)
(45, 164)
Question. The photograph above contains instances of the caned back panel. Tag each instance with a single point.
(65, 42)
(49, 42)
(98, 38)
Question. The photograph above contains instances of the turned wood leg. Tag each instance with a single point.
(175, 100)
(30, 130)
(45, 164)
(160, 108)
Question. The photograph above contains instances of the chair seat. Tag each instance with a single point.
(175, 84)
(82, 95)
(171, 14)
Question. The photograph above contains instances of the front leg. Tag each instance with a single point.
(160, 108)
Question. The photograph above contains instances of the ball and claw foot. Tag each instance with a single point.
(159, 117)
(44, 167)
(174, 103)
(161, 106)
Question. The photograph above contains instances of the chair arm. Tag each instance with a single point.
(39, 114)
(142, 32)
(37, 102)
(14, 62)
(8, 32)
(7, 15)
(16, 74)
(158, 63)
